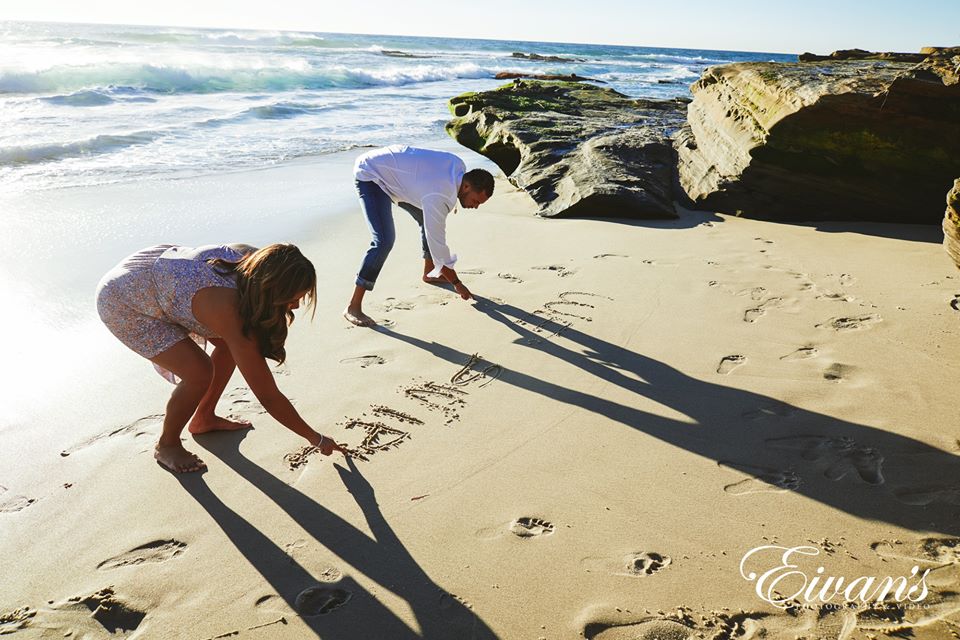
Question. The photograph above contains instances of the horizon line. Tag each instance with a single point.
(390, 35)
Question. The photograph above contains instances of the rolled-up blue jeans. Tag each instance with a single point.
(378, 211)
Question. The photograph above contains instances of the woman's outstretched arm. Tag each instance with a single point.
(218, 309)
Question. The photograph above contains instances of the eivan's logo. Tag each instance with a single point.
(787, 581)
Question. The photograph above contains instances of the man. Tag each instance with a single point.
(427, 184)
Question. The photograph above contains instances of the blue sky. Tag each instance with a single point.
(819, 26)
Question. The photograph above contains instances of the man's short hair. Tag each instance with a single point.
(480, 179)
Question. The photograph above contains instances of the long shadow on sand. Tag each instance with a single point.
(689, 218)
(382, 558)
(858, 469)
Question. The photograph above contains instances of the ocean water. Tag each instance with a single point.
(96, 104)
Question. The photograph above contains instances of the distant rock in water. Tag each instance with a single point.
(860, 54)
(577, 149)
(539, 58)
(509, 75)
(951, 224)
(855, 136)
(401, 54)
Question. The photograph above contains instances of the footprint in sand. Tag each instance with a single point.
(531, 527)
(764, 480)
(15, 620)
(559, 269)
(764, 240)
(756, 293)
(639, 564)
(922, 496)
(320, 600)
(509, 277)
(149, 553)
(651, 628)
(15, 504)
(846, 279)
(645, 563)
(932, 620)
(385, 323)
(940, 551)
(850, 323)
(604, 256)
(150, 425)
(113, 614)
(841, 454)
(837, 372)
(99, 615)
(392, 304)
(470, 272)
(754, 314)
(729, 363)
(833, 295)
(802, 353)
(364, 361)
(243, 402)
(955, 303)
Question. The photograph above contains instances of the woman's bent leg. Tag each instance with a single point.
(195, 370)
(205, 419)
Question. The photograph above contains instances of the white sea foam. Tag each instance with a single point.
(209, 77)
(106, 143)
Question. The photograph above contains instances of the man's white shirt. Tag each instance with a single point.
(426, 179)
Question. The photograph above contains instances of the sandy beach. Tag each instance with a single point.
(587, 450)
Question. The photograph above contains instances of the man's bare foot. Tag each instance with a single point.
(215, 423)
(177, 459)
(359, 318)
(430, 280)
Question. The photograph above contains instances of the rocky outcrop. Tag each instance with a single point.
(510, 75)
(392, 53)
(844, 138)
(577, 149)
(539, 58)
(951, 224)
(860, 54)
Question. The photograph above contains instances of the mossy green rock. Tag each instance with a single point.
(577, 149)
(872, 139)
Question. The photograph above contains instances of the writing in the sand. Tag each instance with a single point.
(790, 581)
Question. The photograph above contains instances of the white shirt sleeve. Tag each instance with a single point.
(435, 210)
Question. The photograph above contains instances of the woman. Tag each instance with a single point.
(239, 298)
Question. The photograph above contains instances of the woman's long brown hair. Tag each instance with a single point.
(267, 280)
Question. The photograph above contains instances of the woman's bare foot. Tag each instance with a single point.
(358, 317)
(203, 424)
(430, 280)
(177, 459)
